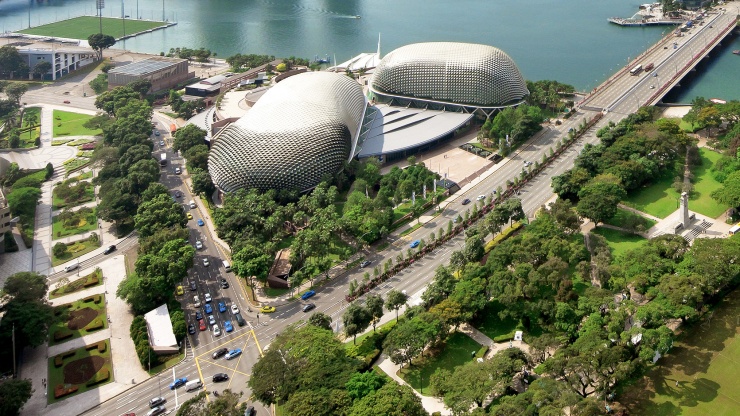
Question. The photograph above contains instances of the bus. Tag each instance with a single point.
(636, 70)
(163, 159)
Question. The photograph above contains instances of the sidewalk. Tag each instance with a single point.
(431, 404)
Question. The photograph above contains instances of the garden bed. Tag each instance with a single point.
(80, 225)
(79, 370)
(91, 280)
(76, 249)
(84, 317)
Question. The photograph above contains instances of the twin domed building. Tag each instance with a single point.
(309, 125)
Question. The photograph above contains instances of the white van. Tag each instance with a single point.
(227, 266)
(192, 204)
(193, 385)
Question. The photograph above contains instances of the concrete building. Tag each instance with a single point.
(164, 73)
(5, 224)
(65, 59)
(159, 328)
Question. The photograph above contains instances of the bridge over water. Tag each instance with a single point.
(672, 57)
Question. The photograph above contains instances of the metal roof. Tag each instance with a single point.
(146, 66)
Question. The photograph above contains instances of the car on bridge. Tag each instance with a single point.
(158, 410)
(466, 201)
(415, 244)
(156, 402)
(178, 382)
(308, 307)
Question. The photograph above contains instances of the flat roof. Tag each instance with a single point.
(394, 129)
(147, 66)
(160, 327)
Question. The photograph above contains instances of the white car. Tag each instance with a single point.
(480, 197)
(198, 245)
(216, 331)
(206, 262)
(211, 320)
(234, 309)
(208, 297)
(196, 301)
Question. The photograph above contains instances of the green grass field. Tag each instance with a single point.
(705, 363)
(84, 26)
(618, 241)
(57, 374)
(625, 218)
(89, 223)
(100, 318)
(660, 199)
(71, 124)
(494, 327)
(456, 352)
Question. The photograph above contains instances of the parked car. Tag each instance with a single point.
(178, 194)
(156, 402)
(193, 286)
(228, 327)
(201, 325)
(466, 201)
(178, 171)
(307, 307)
(111, 248)
(219, 353)
(233, 353)
(200, 222)
(224, 284)
(206, 263)
(239, 319)
(308, 294)
(208, 297)
(216, 331)
(178, 382)
(179, 291)
(198, 243)
(211, 320)
(196, 302)
(221, 307)
(156, 132)
(415, 244)
(161, 143)
(191, 329)
(208, 308)
(234, 308)
(198, 316)
(267, 309)
(220, 377)
(365, 263)
(189, 215)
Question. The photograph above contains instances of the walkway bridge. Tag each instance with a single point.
(672, 58)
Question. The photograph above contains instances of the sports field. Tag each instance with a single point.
(699, 376)
(84, 26)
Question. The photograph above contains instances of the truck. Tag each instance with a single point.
(163, 159)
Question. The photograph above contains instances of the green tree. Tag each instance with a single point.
(729, 193)
(374, 306)
(31, 119)
(42, 68)
(59, 249)
(323, 402)
(99, 42)
(141, 86)
(362, 384)
(11, 62)
(390, 400)
(15, 91)
(202, 182)
(394, 300)
(27, 310)
(14, 139)
(321, 320)
(599, 199)
(13, 395)
(355, 319)
(158, 213)
(188, 137)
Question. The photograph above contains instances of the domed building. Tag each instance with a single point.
(449, 76)
(305, 127)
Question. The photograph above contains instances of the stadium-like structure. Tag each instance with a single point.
(449, 76)
(305, 127)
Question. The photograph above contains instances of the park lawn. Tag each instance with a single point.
(456, 352)
(74, 250)
(657, 199)
(97, 323)
(83, 26)
(57, 377)
(67, 123)
(60, 231)
(494, 327)
(274, 292)
(85, 282)
(704, 362)
(58, 203)
(624, 217)
(701, 200)
(619, 242)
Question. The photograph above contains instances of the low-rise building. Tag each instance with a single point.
(65, 59)
(164, 73)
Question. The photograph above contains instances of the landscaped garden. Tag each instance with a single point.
(79, 370)
(81, 27)
(494, 327)
(699, 375)
(72, 124)
(70, 222)
(83, 317)
(85, 282)
(631, 221)
(72, 192)
(66, 252)
(619, 242)
(457, 350)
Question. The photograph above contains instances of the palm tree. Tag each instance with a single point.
(31, 119)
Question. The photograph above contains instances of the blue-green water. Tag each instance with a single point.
(570, 40)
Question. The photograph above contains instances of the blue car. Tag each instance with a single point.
(200, 222)
(233, 353)
(414, 244)
(228, 327)
(178, 382)
(221, 307)
(208, 308)
(308, 294)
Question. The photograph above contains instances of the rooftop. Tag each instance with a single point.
(146, 66)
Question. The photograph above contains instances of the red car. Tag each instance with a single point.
(202, 325)
(66, 102)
